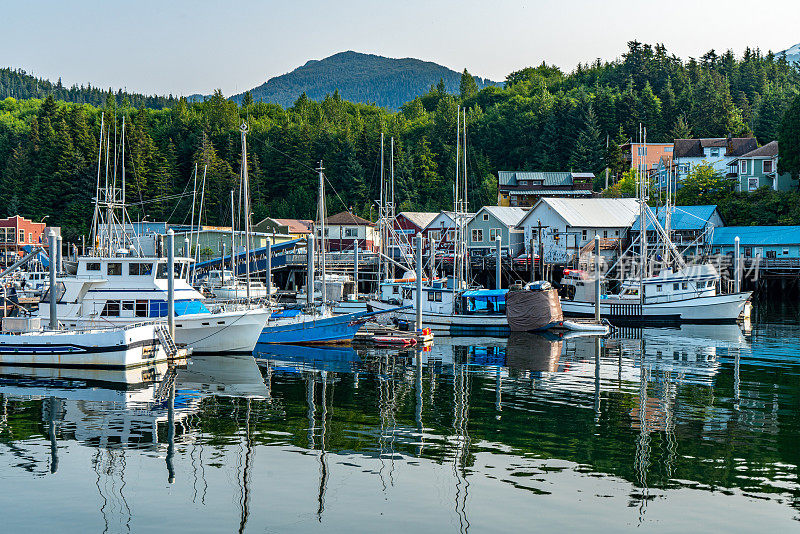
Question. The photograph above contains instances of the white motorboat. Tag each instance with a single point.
(224, 285)
(120, 347)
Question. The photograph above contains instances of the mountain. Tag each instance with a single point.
(359, 77)
(793, 53)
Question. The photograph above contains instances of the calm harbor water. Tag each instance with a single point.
(672, 430)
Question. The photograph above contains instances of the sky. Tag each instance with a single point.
(181, 47)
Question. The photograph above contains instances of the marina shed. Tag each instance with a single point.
(765, 242)
(691, 226)
(568, 224)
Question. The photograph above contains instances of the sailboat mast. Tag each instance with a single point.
(246, 187)
(456, 196)
(383, 266)
(322, 230)
(233, 240)
(95, 237)
(642, 222)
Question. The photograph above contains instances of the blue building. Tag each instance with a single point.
(691, 226)
(764, 242)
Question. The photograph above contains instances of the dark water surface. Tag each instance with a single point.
(676, 430)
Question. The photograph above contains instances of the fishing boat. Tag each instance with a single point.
(122, 347)
(664, 290)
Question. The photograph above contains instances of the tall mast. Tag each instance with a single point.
(390, 212)
(322, 240)
(456, 257)
(383, 266)
(243, 128)
(194, 199)
(95, 237)
(233, 240)
(642, 222)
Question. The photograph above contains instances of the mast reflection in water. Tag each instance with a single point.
(660, 427)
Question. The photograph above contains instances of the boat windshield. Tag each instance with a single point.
(485, 301)
(180, 271)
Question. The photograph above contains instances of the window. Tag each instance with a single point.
(141, 308)
(431, 296)
(743, 167)
(395, 289)
(319, 232)
(668, 149)
(485, 216)
(494, 233)
(748, 252)
(767, 166)
(140, 269)
(111, 309)
(114, 269)
(616, 233)
(22, 236)
(785, 251)
(658, 288)
(30, 237)
(642, 150)
(714, 153)
(477, 236)
(435, 235)
(676, 286)
(684, 285)
(451, 235)
(351, 232)
(752, 184)
(93, 266)
(771, 254)
(584, 235)
(605, 234)
(128, 305)
(437, 296)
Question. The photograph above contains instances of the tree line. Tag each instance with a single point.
(541, 119)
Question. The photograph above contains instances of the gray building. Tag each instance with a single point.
(491, 221)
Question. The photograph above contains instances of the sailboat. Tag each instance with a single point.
(678, 293)
(315, 324)
(449, 305)
(116, 284)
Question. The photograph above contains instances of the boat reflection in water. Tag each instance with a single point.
(306, 431)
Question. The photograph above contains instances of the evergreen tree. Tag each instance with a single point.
(588, 155)
(469, 86)
(789, 140)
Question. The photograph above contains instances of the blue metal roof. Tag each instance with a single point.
(756, 235)
(279, 247)
(683, 217)
(485, 293)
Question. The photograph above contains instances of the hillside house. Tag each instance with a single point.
(759, 168)
(492, 221)
(524, 189)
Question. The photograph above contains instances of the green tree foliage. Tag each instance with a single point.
(468, 87)
(789, 140)
(702, 184)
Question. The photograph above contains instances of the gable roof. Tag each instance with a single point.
(756, 235)
(346, 217)
(296, 226)
(510, 216)
(693, 148)
(591, 212)
(450, 216)
(769, 150)
(419, 218)
(682, 217)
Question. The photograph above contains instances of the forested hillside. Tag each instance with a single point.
(366, 78)
(16, 83)
(542, 119)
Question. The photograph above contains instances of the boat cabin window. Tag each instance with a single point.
(434, 296)
(162, 271)
(141, 308)
(395, 289)
(430, 296)
(111, 309)
(60, 290)
(140, 269)
(94, 266)
(676, 286)
(685, 285)
(114, 269)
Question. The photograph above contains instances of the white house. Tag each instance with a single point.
(718, 152)
(441, 230)
(492, 221)
(570, 223)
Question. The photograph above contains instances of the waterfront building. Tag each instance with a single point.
(759, 168)
(295, 228)
(492, 221)
(569, 224)
(406, 225)
(718, 152)
(442, 230)
(691, 227)
(524, 189)
(17, 232)
(346, 230)
(771, 243)
(646, 154)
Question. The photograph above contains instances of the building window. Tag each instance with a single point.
(584, 235)
(93, 267)
(752, 184)
(605, 234)
(351, 232)
(767, 165)
(616, 233)
(785, 251)
(477, 236)
(435, 235)
(22, 236)
(714, 153)
(485, 216)
(451, 235)
(114, 269)
(743, 167)
(30, 237)
(668, 149)
(494, 233)
(771, 254)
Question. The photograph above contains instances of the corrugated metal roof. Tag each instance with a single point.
(420, 218)
(683, 217)
(552, 192)
(510, 216)
(550, 179)
(756, 235)
(593, 212)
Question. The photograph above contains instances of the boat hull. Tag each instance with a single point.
(711, 309)
(479, 324)
(308, 329)
(111, 348)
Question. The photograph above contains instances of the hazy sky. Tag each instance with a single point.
(188, 47)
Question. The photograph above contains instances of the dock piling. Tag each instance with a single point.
(737, 269)
(310, 271)
(53, 243)
(355, 267)
(269, 268)
(499, 264)
(171, 282)
(59, 255)
(597, 278)
(418, 266)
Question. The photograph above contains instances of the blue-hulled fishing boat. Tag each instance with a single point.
(295, 326)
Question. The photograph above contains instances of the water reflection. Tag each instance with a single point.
(639, 415)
